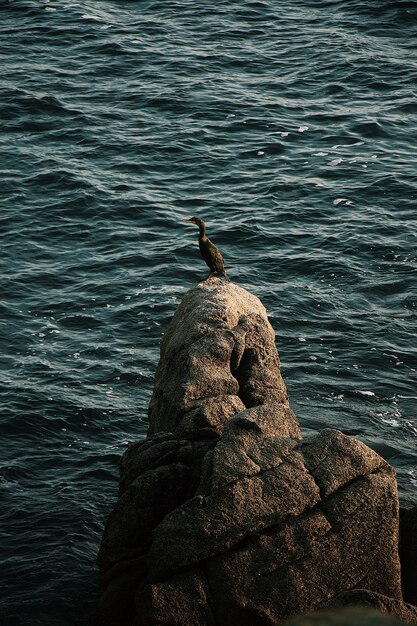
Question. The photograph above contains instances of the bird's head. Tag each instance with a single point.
(196, 221)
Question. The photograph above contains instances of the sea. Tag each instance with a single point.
(291, 129)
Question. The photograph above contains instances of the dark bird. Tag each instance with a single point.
(208, 250)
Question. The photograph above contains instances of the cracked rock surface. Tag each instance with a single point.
(225, 514)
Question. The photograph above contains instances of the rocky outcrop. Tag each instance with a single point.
(225, 515)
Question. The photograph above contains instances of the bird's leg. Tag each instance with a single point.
(210, 274)
(226, 277)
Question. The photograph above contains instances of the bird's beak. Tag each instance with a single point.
(189, 221)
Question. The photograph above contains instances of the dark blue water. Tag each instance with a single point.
(291, 129)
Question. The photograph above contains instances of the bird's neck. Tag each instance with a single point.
(202, 228)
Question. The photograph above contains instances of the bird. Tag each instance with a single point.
(208, 250)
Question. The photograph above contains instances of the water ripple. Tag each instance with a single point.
(291, 132)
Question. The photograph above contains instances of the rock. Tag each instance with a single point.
(150, 487)
(225, 515)
(334, 459)
(408, 553)
(393, 606)
(208, 525)
(146, 455)
(222, 339)
(119, 589)
(182, 600)
(255, 440)
(210, 414)
(269, 544)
